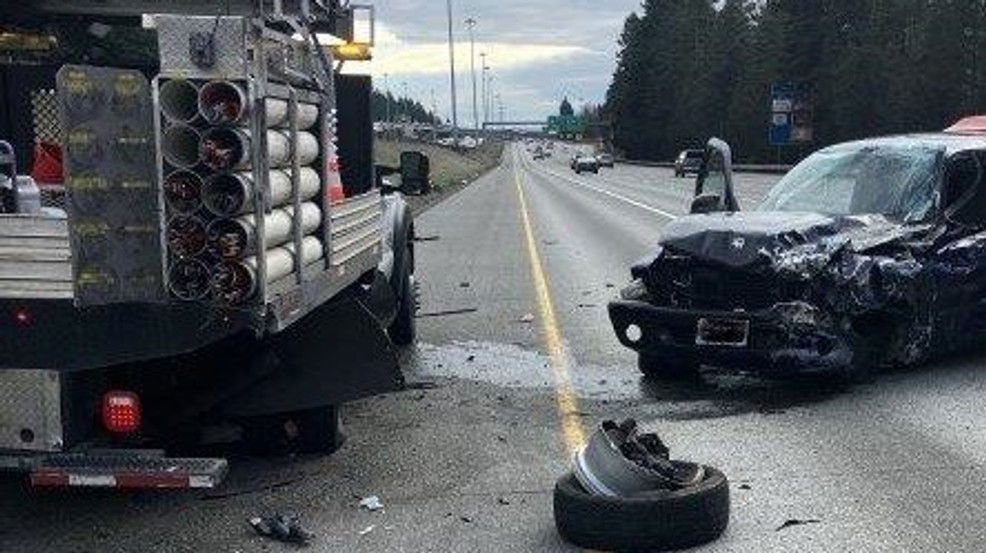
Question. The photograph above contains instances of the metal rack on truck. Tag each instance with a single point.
(200, 243)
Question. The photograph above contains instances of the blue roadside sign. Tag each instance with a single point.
(790, 114)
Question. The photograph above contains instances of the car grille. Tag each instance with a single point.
(687, 283)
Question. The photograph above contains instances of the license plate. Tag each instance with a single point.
(723, 332)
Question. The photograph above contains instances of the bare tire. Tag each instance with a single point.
(649, 521)
(404, 328)
(668, 367)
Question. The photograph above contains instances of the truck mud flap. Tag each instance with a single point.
(335, 354)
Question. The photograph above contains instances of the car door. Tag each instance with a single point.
(714, 184)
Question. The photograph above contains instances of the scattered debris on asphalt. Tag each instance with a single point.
(446, 313)
(527, 318)
(471, 358)
(367, 530)
(464, 285)
(796, 522)
(431, 238)
(371, 503)
(587, 305)
(467, 520)
(744, 487)
(503, 501)
(421, 385)
(285, 528)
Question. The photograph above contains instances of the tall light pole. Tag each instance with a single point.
(471, 23)
(489, 98)
(482, 56)
(451, 61)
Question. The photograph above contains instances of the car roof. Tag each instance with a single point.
(952, 142)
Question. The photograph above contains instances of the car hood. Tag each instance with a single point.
(743, 239)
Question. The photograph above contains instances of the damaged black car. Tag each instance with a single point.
(868, 253)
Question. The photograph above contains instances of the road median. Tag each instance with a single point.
(739, 168)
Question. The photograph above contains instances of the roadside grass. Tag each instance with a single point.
(451, 170)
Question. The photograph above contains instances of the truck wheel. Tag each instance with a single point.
(316, 430)
(404, 328)
(667, 367)
(319, 430)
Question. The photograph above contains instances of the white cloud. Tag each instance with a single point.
(395, 56)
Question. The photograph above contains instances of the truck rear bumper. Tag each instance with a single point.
(116, 469)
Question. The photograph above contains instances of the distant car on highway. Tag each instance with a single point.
(583, 162)
(867, 253)
(688, 161)
(605, 160)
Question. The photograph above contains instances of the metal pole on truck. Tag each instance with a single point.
(451, 61)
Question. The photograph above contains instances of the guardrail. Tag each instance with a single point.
(739, 168)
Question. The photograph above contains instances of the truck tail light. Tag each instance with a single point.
(121, 412)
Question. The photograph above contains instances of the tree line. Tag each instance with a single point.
(401, 109)
(690, 69)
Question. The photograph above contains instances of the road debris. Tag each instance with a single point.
(467, 520)
(446, 313)
(527, 318)
(796, 522)
(464, 285)
(367, 530)
(745, 487)
(421, 385)
(432, 238)
(503, 501)
(371, 503)
(285, 528)
(471, 358)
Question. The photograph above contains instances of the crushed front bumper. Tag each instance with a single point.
(783, 339)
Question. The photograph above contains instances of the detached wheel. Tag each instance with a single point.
(667, 367)
(404, 328)
(649, 521)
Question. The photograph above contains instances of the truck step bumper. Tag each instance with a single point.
(126, 471)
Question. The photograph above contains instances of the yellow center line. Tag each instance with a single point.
(568, 403)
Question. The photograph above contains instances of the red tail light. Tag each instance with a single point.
(121, 412)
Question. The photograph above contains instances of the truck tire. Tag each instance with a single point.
(650, 521)
(667, 367)
(319, 430)
(404, 328)
(316, 430)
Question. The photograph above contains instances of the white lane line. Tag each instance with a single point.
(603, 191)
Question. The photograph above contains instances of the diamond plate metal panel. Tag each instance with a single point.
(30, 407)
(175, 36)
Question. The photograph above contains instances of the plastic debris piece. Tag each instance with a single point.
(371, 503)
(367, 530)
(527, 318)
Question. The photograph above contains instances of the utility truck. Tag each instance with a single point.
(194, 247)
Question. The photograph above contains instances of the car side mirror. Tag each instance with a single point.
(415, 173)
(705, 203)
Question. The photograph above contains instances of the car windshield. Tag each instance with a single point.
(896, 180)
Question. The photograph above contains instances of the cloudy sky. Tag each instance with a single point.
(539, 51)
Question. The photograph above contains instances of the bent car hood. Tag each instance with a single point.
(741, 239)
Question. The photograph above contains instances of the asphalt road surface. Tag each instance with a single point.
(516, 362)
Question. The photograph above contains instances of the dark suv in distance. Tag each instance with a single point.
(688, 161)
(868, 253)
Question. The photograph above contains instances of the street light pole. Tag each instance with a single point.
(451, 61)
(471, 23)
(482, 56)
